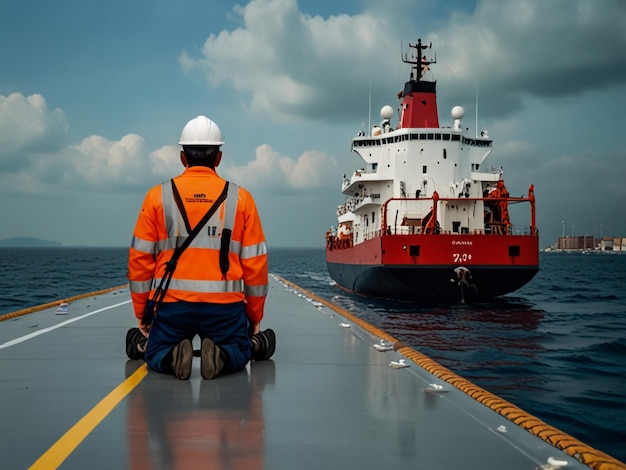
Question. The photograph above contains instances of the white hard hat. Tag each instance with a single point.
(201, 131)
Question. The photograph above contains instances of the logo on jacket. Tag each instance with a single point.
(198, 197)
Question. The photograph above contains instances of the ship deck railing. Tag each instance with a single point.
(336, 242)
(489, 229)
(422, 215)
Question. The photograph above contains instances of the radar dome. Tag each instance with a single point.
(457, 112)
(386, 112)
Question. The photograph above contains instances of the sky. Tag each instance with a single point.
(93, 97)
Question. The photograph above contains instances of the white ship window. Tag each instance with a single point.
(424, 169)
(456, 137)
(446, 137)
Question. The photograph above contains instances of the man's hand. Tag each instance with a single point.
(254, 328)
(145, 329)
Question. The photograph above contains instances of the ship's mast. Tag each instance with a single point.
(421, 64)
(419, 97)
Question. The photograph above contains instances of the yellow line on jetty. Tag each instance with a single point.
(61, 450)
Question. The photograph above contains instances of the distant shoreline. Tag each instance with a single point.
(28, 242)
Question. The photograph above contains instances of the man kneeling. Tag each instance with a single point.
(197, 265)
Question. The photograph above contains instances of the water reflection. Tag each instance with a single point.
(198, 423)
(497, 344)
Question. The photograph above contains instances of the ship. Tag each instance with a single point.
(425, 218)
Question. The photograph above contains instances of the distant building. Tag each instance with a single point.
(587, 242)
(582, 242)
(613, 244)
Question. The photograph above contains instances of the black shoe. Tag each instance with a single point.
(263, 345)
(135, 344)
(211, 359)
(182, 356)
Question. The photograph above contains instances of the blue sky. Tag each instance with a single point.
(93, 98)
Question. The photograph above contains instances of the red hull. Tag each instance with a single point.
(437, 266)
(442, 249)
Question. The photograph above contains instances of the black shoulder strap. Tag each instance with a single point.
(192, 233)
(170, 266)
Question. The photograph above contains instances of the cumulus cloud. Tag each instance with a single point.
(27, 126)
(551, 49)
(96, 165)
(124, 165)
(99, 161)
(165, 162)
(290, 64)
(276, 173)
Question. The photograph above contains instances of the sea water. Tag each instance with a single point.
(556, 348)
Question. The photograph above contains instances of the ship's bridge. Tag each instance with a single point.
(444, 134)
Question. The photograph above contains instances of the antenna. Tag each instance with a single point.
(369, 112)
(476, 112)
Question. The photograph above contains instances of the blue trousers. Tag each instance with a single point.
(225, 324)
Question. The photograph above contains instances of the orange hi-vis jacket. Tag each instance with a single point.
(161, 228)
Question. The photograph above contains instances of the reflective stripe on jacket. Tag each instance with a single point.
(161, 228)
